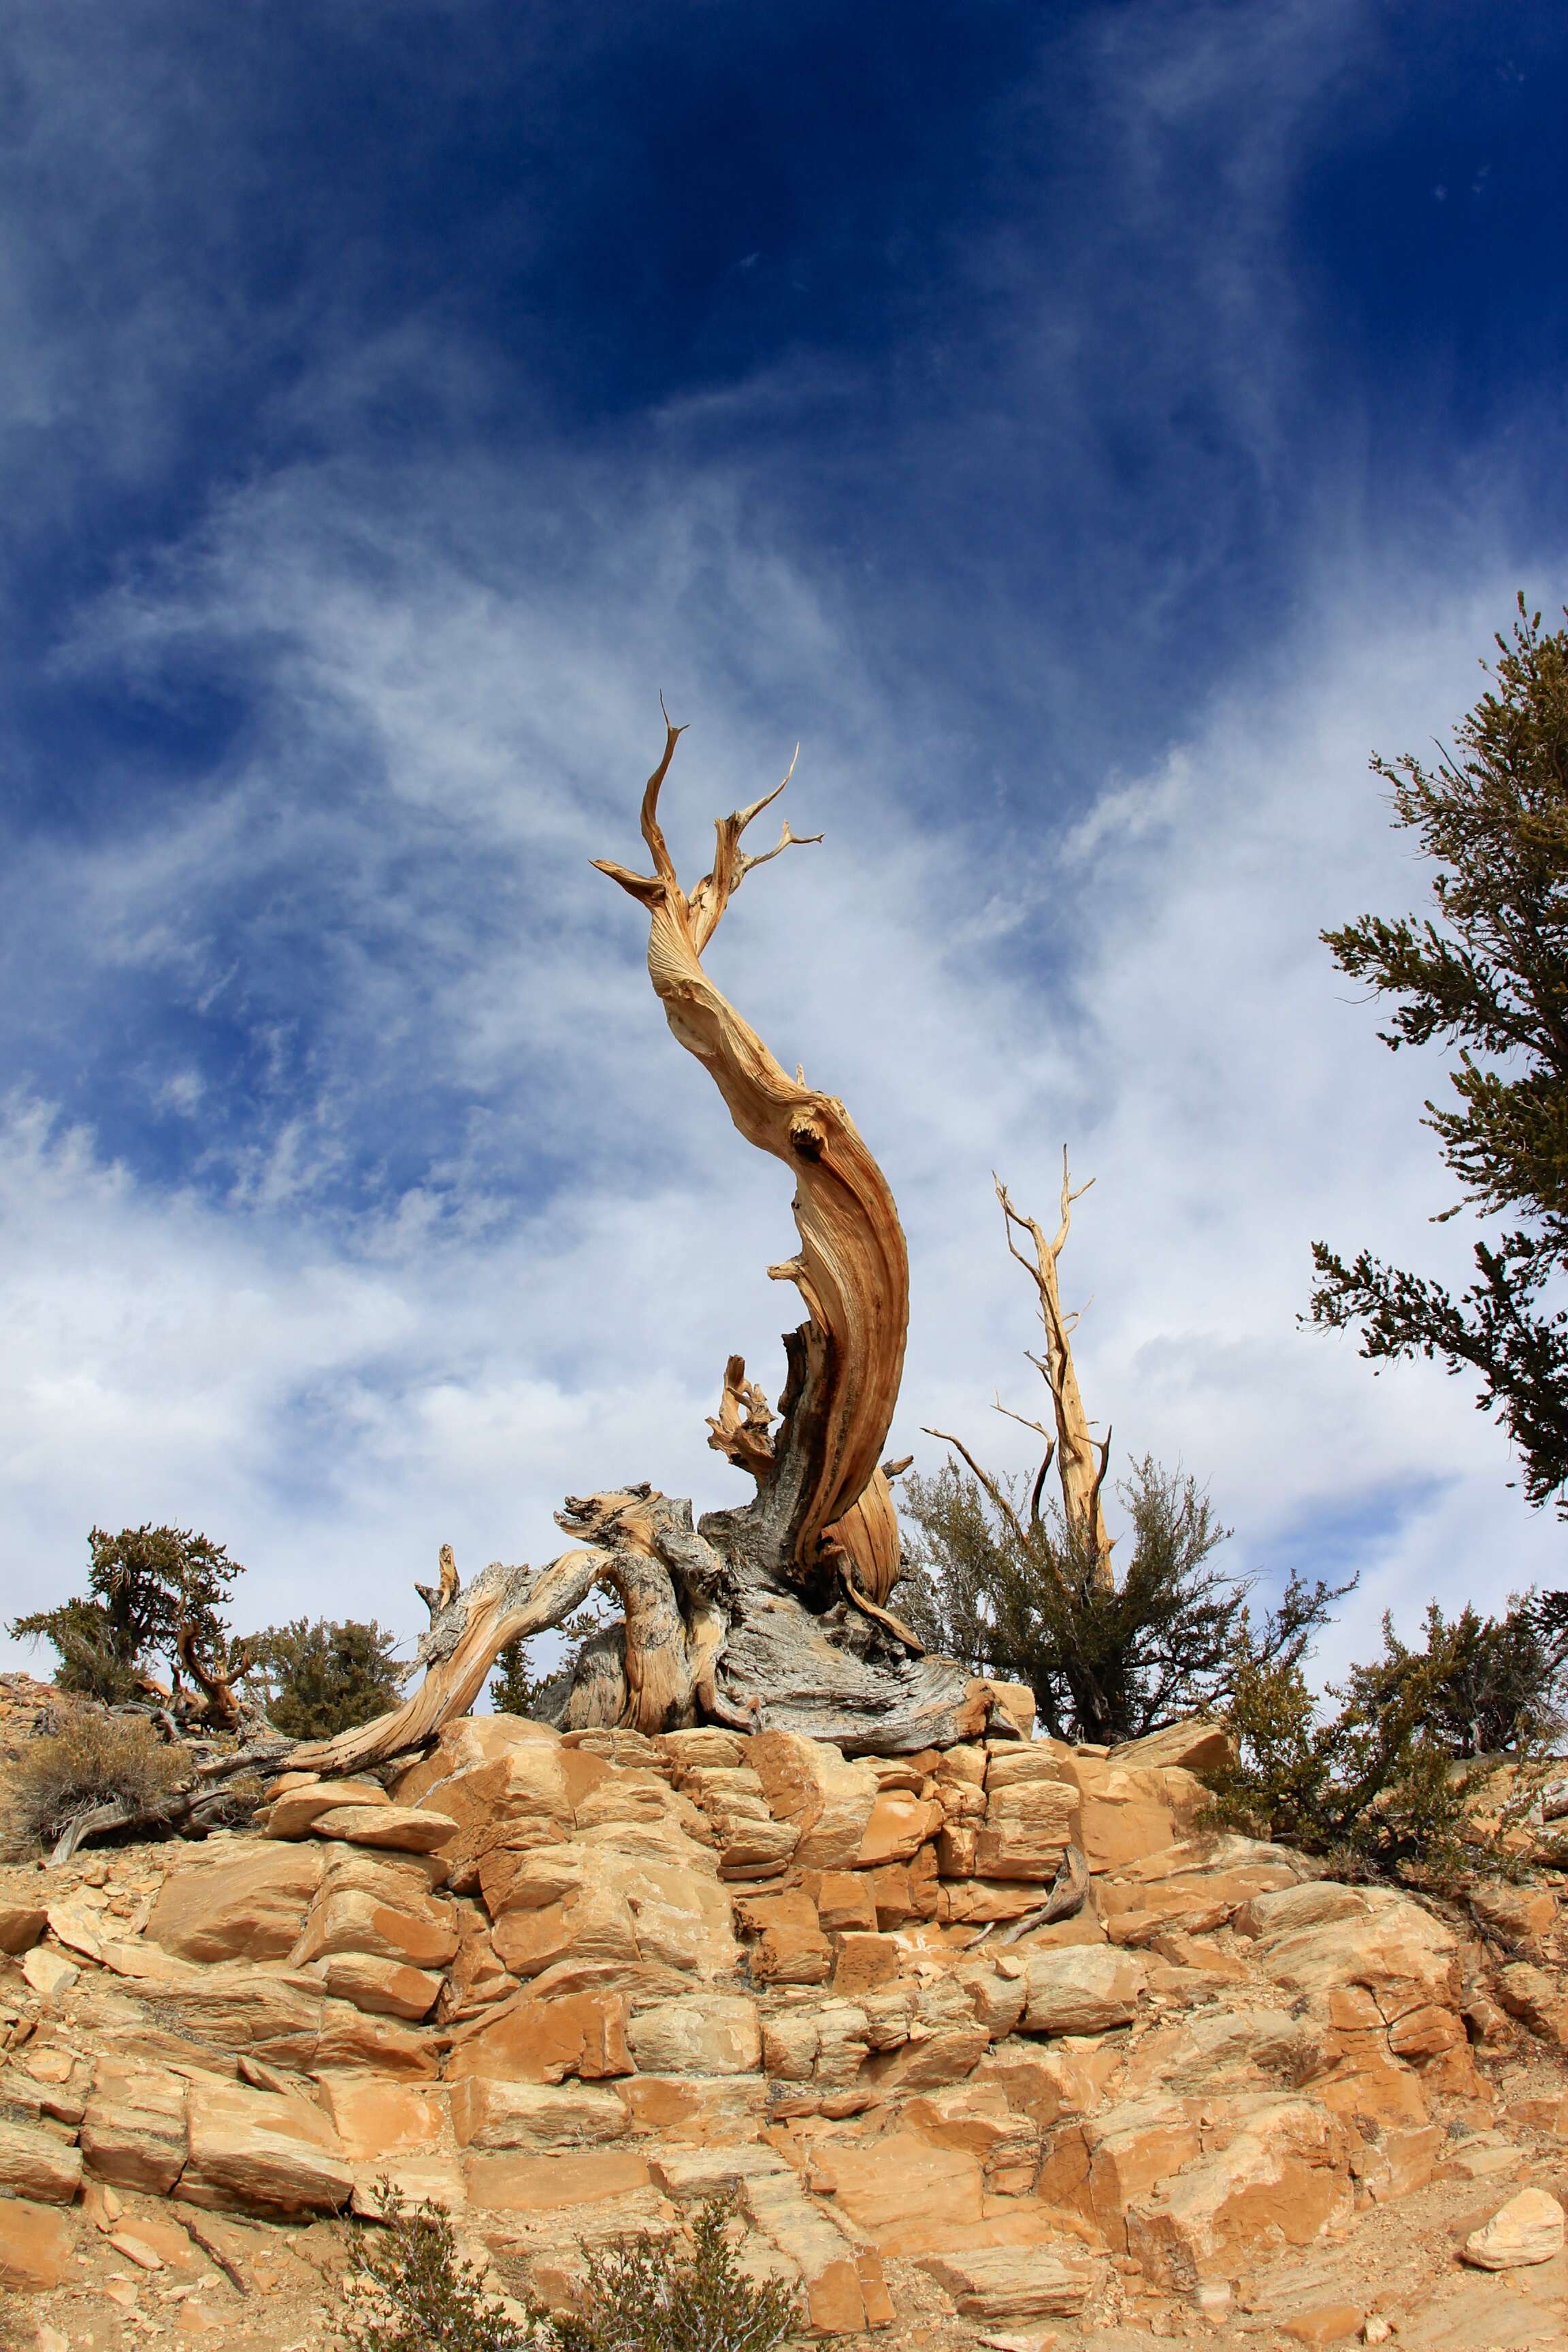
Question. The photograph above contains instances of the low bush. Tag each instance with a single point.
(91, 1758)
(411, 2290)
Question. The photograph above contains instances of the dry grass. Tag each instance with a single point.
(92, 1758)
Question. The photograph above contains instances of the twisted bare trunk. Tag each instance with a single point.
(774, 1612)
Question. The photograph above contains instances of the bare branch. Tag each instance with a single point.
(997, 1494)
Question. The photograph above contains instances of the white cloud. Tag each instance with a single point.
(335, 1393)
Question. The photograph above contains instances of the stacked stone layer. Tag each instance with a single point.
(568, 1986)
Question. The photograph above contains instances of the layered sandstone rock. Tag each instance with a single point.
(547, 1976)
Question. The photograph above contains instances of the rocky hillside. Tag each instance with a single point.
(568, 1987)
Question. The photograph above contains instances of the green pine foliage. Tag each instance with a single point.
(146, 1586)
(323, 1677)
(515, 1689)
(1384, 1785)
(1487, 973)
(1008, 1586)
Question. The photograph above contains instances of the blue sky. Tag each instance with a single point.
(1088, 430)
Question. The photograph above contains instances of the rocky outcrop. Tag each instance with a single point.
(566, 1984)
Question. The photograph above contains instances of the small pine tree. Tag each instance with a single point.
(147, 1587)
(325, 1677)
(516, 1689)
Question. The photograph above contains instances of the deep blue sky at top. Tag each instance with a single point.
(1055, 431)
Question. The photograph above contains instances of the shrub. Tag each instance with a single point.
(1378, 1789)
(325, 1677)
(1018, 1592)
(92, 1758)
(147, 1587)
(656, 2294)
(412, 2291)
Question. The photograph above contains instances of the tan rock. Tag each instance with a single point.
(704, 2033)
(133, 2132)
(349, 2038)
(844, 1901)
(400, 1829)
(976, 2118)
(1398, 2162)
(252, 2151)
(37, 2242)
(966, 1901)
(50, 1973)
(168, 2245)
(539, 2040)
(21, 1926)
(789, 2045)
(864, 1962)
(424, 1935)
(830, 2271)
(1536, 1997)
(1012, 2281)
(34, 2164)
(252, 1907)
(544, 2184)
(786, 1953)
(899, 2189)
(1128, 1813)
(899, 1824)
(385, 1988)
(1196, 1745)
(693, 2175)
(1325, 2323)
(810, 1785)
(1524, 1914)
(490, 2114)
(1083, 1989)
(902, 1891)
(606, 1903)
(589, 1922)
(275, 2011)
(1392, 1950)
(296, 1811)
(374, 2119)
(471, 1739)
(947, 2055)
(696, 2108)
(1026, 1829)
(1527, 2230)
(1043, 2084)
(1282, 2174)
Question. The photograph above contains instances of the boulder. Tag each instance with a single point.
(1196, 1746)
(416, 1934)
(349, 2038)
(697, 2108)
(254, 2150)
(544, 2184)
(844, 1901)
(844, 2291)
(704, 2033)
(385, 1988)
(1026, 1829)
(36, 2243)
(488, 2113)
(134, 2131)
(249, 1907)
(1083, 1988)
(790, 1947)
(1282, 2174)
(397, 1829)
(1127, 1813)
(1536, 1997)
(21, 1926)
(1012, 2281)
(899, 2189)
(545, 2041)
(1527, 2230)
(899, 1823)
(374, 2119)
(296, 1811)
(1522, 1914)
(48, 1973)
(34, 2164)
(811, 1786)
(469, 1739)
